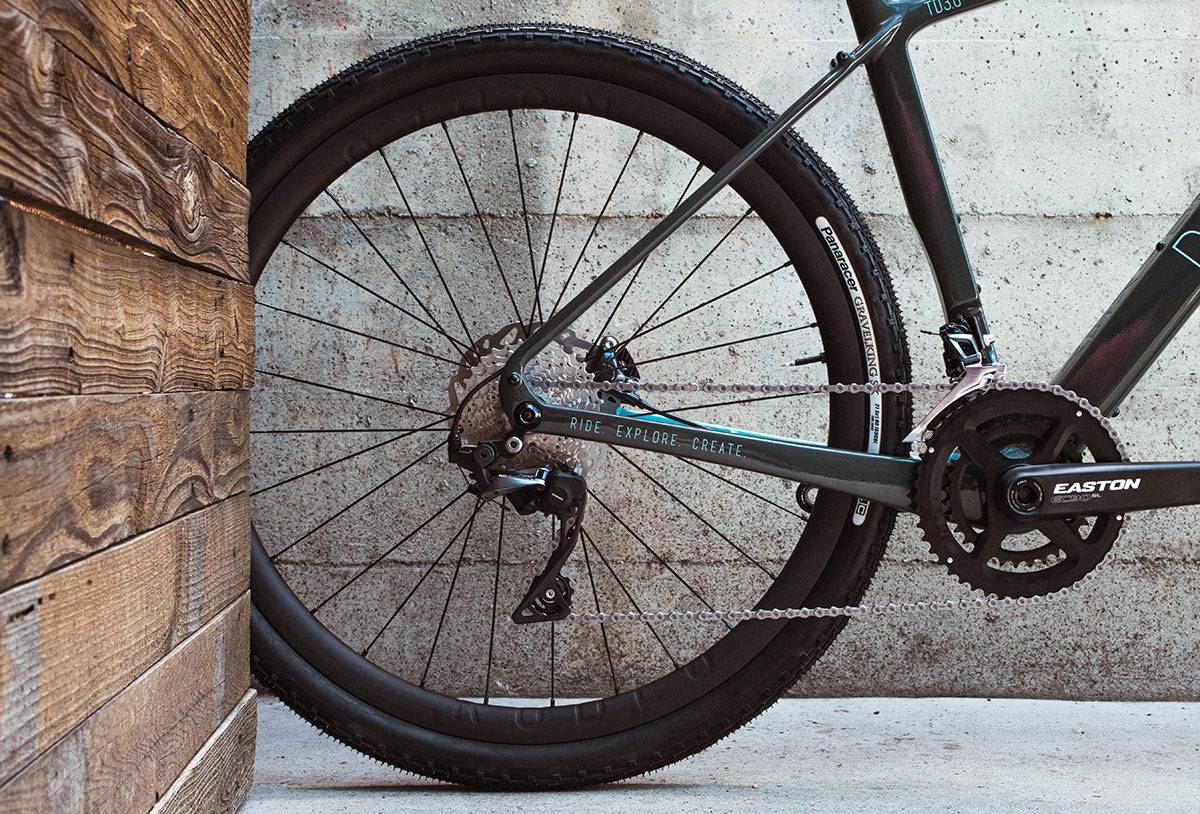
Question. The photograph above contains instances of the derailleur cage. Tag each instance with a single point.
(549, 596)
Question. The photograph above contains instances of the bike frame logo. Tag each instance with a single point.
(1189, 246)
(1094, 486)
(937, 7)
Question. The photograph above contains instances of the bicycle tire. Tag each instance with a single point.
(316, 133)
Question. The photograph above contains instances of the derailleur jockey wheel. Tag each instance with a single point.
(959, 496)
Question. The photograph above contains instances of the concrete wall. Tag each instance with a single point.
(1067, 129)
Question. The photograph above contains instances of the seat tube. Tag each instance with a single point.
(919, 169)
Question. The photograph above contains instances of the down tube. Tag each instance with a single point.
(886, 479)
(1133, 333)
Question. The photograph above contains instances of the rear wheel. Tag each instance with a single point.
(412, 219)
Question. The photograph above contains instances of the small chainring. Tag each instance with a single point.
(966, 453)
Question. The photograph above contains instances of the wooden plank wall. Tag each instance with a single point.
(126, 354)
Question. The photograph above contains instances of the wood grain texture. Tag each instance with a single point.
(155, 52)
(72, 141)
(218, 778)
(79, 474)
(79, 314)
(127, 754)
(73, 639)
(225, 24)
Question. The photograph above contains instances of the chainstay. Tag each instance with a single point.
(976, 601)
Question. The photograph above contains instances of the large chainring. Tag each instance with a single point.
(965, 454)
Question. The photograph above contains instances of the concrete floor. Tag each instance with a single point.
(852, 755)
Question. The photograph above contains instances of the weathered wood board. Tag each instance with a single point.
(80, 314)
(81, 473)
(70, 140)
(157, 53)
(127, 755)
(126, 355)
(73, 639)
(218, 778)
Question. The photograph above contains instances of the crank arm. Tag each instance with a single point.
(1034, 493)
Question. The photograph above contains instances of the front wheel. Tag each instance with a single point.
(413, 219)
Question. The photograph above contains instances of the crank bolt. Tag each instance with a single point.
(513, 444)
(1025, 497)
(528, 415)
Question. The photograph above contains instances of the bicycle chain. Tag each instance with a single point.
(878, 609)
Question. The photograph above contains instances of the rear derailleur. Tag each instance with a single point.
(555, 491)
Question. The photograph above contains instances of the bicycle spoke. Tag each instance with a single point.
(487, 681)
(689, 275)
(653, 553)
(355, 502)
(357, 333)
(383, 443)
(805, 361)
(482, 225)
(587, 538)
(379, 253)
(450, 593)
(553, 701)
(385, 554)
(537, 301)
(553, 536)
(681, 354)
(428, 251)
(537, 293)
(633, 277)
(354, 393)
(709, 302)
(596, 223)
(454, 343)
(420, 581)
(743, 489)
(693, 512)
(587, 561)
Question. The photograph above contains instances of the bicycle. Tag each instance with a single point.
(558, 418)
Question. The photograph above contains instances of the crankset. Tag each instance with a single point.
(965, 505)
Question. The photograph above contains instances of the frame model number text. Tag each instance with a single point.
(937, 7)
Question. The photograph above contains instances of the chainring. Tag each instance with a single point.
(966, 453)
